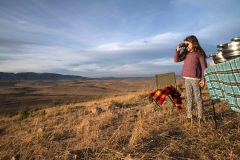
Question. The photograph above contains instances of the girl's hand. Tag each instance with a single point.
(178, 48)
(202, 83)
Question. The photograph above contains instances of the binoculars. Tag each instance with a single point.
(183, 45)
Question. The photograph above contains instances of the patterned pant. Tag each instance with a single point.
(193, 88)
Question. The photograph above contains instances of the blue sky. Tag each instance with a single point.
(101, 38)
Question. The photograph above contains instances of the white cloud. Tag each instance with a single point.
(148, 67)
(161, 62)
(220, 30)
(111, 47)
(39, 58)
(148, 43)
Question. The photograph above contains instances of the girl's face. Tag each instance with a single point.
(190, 46)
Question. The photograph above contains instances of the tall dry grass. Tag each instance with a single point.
(120, 127)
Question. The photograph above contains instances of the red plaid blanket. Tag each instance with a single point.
(160, 95)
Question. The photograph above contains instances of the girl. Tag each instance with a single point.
(193, 72)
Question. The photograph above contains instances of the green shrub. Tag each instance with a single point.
(116, 105)
(24, 112)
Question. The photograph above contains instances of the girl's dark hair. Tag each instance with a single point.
(196, 46)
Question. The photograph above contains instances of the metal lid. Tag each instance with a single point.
(223, 45)
(236, 39)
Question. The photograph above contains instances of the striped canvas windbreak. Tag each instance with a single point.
(223, 82)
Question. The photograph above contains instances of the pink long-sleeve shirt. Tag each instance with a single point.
(193, 66)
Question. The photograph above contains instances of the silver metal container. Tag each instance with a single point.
(233, 44)
(218, 57)
(231, 55)
(227, 51)
(233, 49)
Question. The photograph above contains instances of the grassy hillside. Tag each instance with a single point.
(119, 127)
(15, 95)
